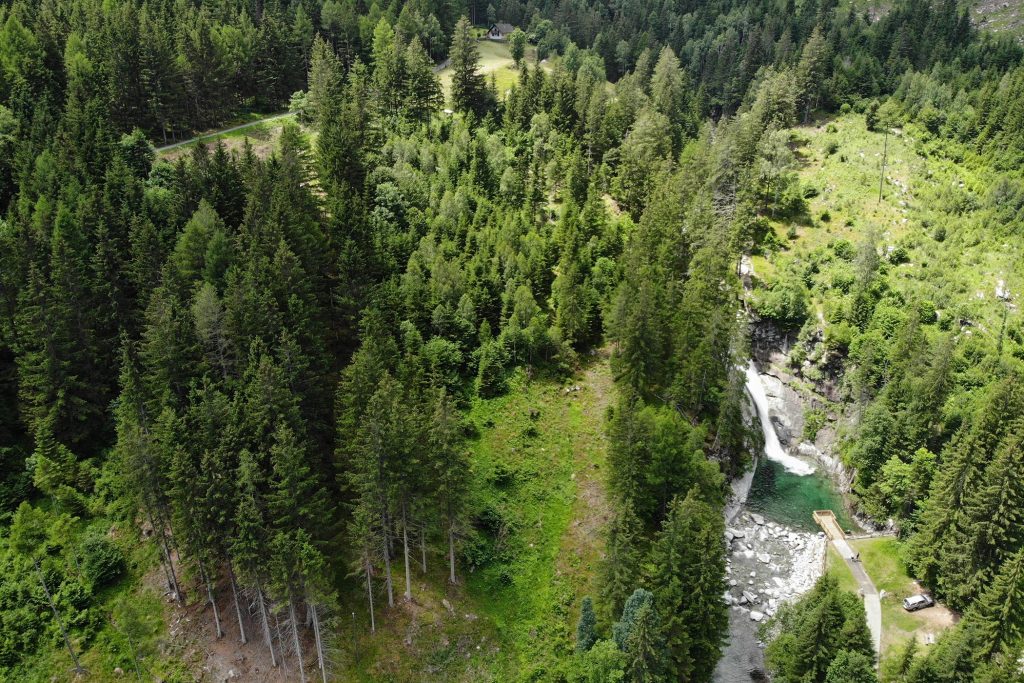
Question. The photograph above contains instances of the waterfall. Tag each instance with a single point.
(773, 450)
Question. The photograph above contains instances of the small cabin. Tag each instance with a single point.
(500, 31)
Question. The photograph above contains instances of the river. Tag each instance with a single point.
(775, 550)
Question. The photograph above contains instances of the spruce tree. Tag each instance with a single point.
(622, 629)
(622, 567)
(250, 544)
(325, 80)
(586, 627)
(467, 89)
(687, 570)
(422, 92)
(999, 613)
(372, 473)
(450, 473)
(388, 69)
(851, 667)
(646, 656)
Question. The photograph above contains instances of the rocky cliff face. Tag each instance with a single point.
(804, 412)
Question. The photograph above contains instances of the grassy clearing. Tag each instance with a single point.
(881, 560)
(496, 61)
(538, 470)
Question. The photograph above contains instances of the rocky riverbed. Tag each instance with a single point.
(769, 564)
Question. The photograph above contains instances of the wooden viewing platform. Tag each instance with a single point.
(826, 519)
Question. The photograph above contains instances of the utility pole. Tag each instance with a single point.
(885, 156)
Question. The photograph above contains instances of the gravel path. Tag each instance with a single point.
(872, 601)
(184, 143)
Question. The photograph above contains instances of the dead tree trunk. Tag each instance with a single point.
(266, 624)
(56, 617)
(280, 638)
(213, 602)
(295, 638)
(451, 553)
(423, 547)
(179, 595)
(319, 643)
(369, 593)
(160, 526)
(238, 607)
(405, 548)
(387, 565)
(171, 588)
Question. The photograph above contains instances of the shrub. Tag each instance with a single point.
(898, 254)
(871, 115)
(844, 250)
(102, 561)
(831, 148)
(491, 380)
(814, 420)
(786, 302)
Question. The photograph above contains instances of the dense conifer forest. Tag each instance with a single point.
(322, 394)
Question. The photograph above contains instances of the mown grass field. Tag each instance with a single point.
(835, 566)
(495, 61)
(538, 469)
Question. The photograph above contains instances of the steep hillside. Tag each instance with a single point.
(539, 469)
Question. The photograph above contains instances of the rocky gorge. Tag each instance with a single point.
(776, 553)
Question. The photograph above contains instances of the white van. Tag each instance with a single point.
(916, 602)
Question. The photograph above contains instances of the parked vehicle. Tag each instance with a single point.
(916, 602)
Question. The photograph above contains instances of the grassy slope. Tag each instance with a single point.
(541, 482)
(108, 648)
(957, 275)
(542, 478)
(835, 566)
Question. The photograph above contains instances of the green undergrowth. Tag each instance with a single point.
(538, 512)
(126, 614)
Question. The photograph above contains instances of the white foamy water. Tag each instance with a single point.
(773, 450)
